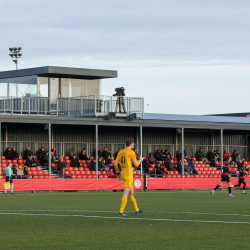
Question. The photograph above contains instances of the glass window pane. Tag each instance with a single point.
(54, 88)
(20, 86)
(3, 87)
(65, 88)
(43, 86)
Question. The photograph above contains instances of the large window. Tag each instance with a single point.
(43, 86)
(19, 86)
(79, 87)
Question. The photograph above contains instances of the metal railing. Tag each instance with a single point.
(73, 106)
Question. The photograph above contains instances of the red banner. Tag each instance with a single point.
(188, 183)
(114, 184)
(69, 184)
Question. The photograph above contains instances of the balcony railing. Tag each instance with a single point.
(74, 106)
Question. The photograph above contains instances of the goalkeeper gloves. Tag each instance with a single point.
(141, 159)
(119, 175)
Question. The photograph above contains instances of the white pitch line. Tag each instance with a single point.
(87, 211)
(127, 218)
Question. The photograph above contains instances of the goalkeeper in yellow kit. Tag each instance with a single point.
(126, 157)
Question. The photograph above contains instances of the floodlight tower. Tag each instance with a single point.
(15, 53)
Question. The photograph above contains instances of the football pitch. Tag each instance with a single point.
(171, 220)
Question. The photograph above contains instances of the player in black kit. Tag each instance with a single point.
(242, 175)
(225, 177)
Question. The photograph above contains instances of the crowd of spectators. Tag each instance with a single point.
(162, 159)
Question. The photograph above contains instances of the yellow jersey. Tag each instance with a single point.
(126, 157)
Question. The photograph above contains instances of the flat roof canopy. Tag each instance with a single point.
(60, 72)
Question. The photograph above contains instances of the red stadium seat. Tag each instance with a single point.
(93, 172)
(41, 177)
(87, 172)
(82, 172)
(77, 172)
(45, 173)
(34, 172)
(40, 172)
(38, 168)
(33, 168)
(89, 176)
(84, 177)
(35, 177)
(100, 176)
(80, 169)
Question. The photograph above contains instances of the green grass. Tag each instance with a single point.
(28, 230)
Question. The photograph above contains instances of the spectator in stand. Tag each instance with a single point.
(83, 156)
(15, 155)
(104, 153)
(136, 154)
(151, 159)
(217, 155)
(235, 154)
(92, 166)
(211, 156)
(30, 162)
(101, 166)
(186, 158)
(179, 166)
(54, 151)
(61, 166)
(40, 155)
(108, 161)
(185, 153)
(99, 152)
(75, 162)
(26, 173)
(26, 153)
(168, 153)
(178, 155)
(187, 170)
(8, 154)
(145, 165)
(14, 172)
(200, 155)
(109, 153)
(237, 158)
(53, 158)
(171, 166)
(225, 155)
(167, 161)
(46, 158)
(117, 152)
(158, 156)
(163, 154)
(72, 153)
(20, 172)
(192, 167)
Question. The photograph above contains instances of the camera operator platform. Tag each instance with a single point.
(120, 93)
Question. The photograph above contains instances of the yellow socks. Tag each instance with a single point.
(133, 201)
(123, 204)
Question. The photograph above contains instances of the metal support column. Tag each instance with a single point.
(221, 147)
(182, 151)
(141, 146)
(96, 150)
(50, 150)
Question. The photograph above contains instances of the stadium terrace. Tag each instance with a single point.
(63, 111)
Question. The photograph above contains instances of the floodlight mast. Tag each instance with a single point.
(15, 53)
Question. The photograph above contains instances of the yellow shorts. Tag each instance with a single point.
(127, 181)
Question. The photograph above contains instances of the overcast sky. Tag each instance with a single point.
(184, 57)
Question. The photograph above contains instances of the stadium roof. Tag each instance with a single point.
(195, 118)
(149, 120)
(60, 72)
